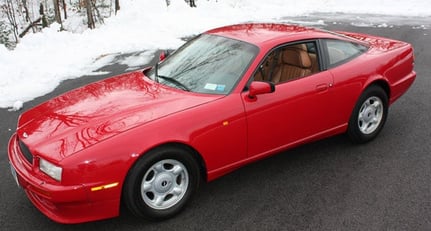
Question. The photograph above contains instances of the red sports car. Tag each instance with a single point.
(228, 97)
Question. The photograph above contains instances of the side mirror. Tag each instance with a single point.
(163, 55)
(259, 87)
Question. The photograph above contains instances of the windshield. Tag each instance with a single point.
(207, 64)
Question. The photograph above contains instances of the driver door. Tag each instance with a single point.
(299, 109)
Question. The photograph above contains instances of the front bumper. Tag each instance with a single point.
(63, 204)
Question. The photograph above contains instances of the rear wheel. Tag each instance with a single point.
(369, 115)
(161, 183)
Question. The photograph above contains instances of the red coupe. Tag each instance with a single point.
(228, 97)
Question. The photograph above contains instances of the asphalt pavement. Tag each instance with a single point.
(331, 184)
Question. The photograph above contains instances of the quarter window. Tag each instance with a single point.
(342, 51)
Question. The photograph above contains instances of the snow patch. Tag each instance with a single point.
(16, 106)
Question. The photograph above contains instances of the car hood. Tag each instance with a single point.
(80, 118)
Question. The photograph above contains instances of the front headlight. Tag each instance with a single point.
(50, 169)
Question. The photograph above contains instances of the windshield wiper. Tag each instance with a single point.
(169, 79)
(174, 81)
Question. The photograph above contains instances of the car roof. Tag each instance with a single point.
(261, 34)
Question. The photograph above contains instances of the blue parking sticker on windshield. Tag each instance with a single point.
(211, 86)
(215, 87)
(220, 87)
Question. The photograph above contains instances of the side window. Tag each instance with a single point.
(342, 51)
(288, 63)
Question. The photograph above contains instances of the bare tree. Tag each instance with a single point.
(99, 16)
(117, 6)
(42, 14)
(9, 10)
(64, 9)
(27, 15)
(57, 11)
(90, 17)
(32, 25)
(192, 3)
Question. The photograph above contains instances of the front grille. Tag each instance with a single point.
(26, 152)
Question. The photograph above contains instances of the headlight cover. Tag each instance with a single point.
(50, 169)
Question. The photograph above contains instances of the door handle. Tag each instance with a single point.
(322, 87)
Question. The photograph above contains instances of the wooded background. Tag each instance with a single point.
(20, 17)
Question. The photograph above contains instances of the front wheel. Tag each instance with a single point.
(369, 115)
(161, 182)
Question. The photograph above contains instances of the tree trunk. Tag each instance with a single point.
(90, 19)
(42, 14)
(30, 26)
(99, 16)
(64, 9)
(27, 16)
(192, 3)
(57, 12)
(117, 6)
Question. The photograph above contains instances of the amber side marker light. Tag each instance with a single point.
(106, 186)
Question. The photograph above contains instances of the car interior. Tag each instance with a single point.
(288, 63)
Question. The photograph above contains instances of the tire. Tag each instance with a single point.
(369, 115)
(161, 182)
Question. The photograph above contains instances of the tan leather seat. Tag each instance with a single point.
(313, 57)
(295, 63)
(314, 63)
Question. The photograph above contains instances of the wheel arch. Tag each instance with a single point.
(195, 154)
(375, 86)
(381, 83)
